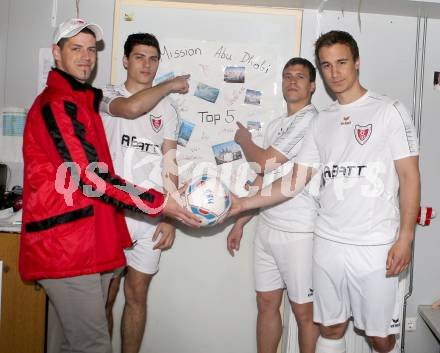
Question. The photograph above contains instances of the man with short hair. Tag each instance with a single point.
(73, 234)
(142, 126)
(367, 148)
(284, 239)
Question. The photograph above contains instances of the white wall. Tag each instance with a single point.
(386, 61)
(427, 276)
(30, 29)
(25, 27)
(4, 12)
(203, 300)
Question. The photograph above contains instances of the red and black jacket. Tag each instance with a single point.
(72, 200)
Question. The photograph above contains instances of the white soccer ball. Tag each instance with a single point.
(209, 199)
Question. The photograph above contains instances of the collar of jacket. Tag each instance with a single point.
(62, 80)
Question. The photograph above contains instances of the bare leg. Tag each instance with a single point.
(333, 332)
(332, 339)
(269, 326)
(382, 344)
(308, 331)
(113, 290)
(135, 310)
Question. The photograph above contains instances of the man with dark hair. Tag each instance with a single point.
(145, 99)
(142, 127)
(366, 148)
(337, 37)
(304, 62)
(284, 239)
(73, 234)
(141, 39)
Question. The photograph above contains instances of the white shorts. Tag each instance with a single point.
(349, 280)
(141, 256)
(283, 260)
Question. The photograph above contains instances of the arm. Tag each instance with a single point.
(292, 183)
(146, 99)
(267, 159)
(170, 179)
(285, 147)
(399, 255)
(236, 233)
(170, 172)
(280, 190)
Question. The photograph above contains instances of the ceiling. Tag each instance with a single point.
(430, 8)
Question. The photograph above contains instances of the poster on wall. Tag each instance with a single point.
(232, 78)
(12, 121)
(229, 83)
(45, 64)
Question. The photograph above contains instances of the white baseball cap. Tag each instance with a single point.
(72, 27)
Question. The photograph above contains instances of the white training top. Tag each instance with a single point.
(356, 145)
(135, 144)
(285, 134)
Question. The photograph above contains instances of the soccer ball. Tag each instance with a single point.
(209, 199)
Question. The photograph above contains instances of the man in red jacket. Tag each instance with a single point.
(73, 229)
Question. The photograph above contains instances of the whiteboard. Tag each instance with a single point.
(235, 66)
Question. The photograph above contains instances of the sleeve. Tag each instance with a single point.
(81, 159)
(403, 140)
(290, 142)
(109, 93)
(266, 135)
(172, 122)
(309, 155)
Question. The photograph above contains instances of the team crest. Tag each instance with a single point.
(156, 122)
(362, 133)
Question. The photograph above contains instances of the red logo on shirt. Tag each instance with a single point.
(362, 133)
(156, 122)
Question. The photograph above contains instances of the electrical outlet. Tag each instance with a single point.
(411, 324)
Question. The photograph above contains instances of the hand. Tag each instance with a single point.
(236, 206)
(167, 231)
(252, 187)
(234, 238)
(179, 84)
(174, 208)
(399, 257)
(242, 134)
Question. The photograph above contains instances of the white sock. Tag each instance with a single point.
(325, 345)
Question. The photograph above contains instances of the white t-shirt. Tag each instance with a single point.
(135, 144)
(286, 134)
(355, 146)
